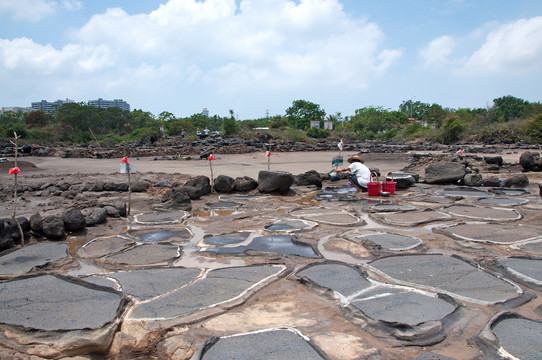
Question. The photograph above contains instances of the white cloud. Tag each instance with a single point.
(28, 10)
(261, 45)
(437, 52)
(512, 47)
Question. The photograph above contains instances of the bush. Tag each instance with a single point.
(317, 133)
(533, 129)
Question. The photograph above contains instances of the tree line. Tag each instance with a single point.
(508, 120)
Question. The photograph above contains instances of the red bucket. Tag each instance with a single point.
(373, 188)
(389, 186)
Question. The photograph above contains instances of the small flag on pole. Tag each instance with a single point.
(340, 145)
(267, 153)
(125, 160)
(14, 171)
(211, 157)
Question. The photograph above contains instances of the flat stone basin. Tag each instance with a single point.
(271, 344)
(464, 191)
(170, 235)
(223, 205)
(532, 247)
(219, 286)
(491, 233)
(392, 207)
(524, 270)
(411, 218)
(326, 216)
(105, 245)
(503, 201)
(401, 306)
(57, 304)
(385, 240)
(161, 217)
(340, 278)
(482, 213)
(24, 259)
(220, 240)
(509, 191)
(290, 225)
(142, 255)
(280, 244)
(512, 336)
(446, 274)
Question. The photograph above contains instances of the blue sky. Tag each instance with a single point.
(257, 56)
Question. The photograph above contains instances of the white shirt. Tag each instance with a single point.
(362, 172)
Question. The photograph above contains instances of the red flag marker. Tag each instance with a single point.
(125, 160)
(14, 171)
(211, 157)
(267, 153)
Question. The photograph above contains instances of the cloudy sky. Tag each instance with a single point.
(257, 56)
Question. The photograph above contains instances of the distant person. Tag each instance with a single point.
(198, 132)
(182, 133)
(359, 175)
(206, 132)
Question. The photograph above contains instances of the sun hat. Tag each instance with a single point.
(355, 157)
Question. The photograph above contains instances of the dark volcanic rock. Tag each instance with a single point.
(224, 184)
(53, 227)
(198, 187)
(494, 160)
(519, 181)
(444, 173)
(176, 198)
(140, 186)
(271, 181)
(530, 161)
(96, 216)
(244, 184)
(36, 223)
(74, 220)
(491, 182)
(311, 177)
(473, 180)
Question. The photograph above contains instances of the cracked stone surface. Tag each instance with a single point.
(44, 309)
(447, 274)
(482, 213)
(411, 218)
(492, 233)
(386, 240)
(327, 216)
(23, 260)
(265, 345)
(218, 286)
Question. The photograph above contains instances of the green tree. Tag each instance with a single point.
(509, 107)
(302, 112)
(229, 125)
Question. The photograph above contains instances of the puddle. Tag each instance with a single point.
(151, 235)
(74, 244)
(226, 239)
(290, 225)
(206, 213)
(161, 217)
(281, 244)
(223, 205)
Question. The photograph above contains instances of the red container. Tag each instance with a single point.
(389, 186)
(373, 188)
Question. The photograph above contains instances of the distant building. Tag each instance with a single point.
(328, 125)
(17, 109)
(47, 106)
(117, 103)
(315, 123)
(205, 111)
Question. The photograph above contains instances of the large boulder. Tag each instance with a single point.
(244, 184)
(493, 160)
(96, 216)
(516, 181)
(74, 220)
(444, 173)
(140, 186)
(53, 227)
(198, 187)
(311, 177)
(492, 181)
(275, 181)
(224, 184)
(36, 223)
(176, 198)
(530, 161)
(473, 180)
(403, 180)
